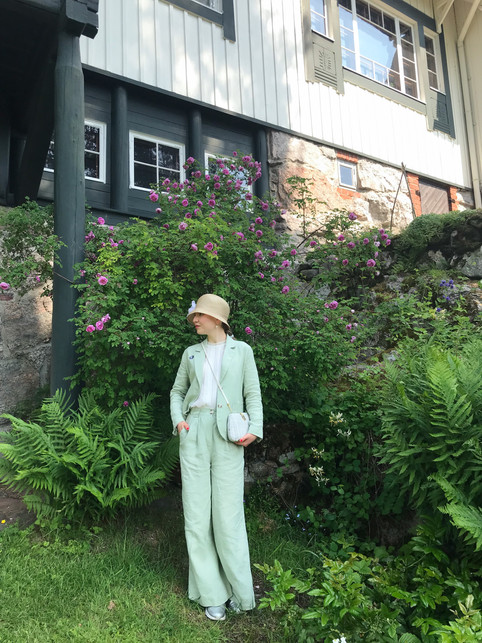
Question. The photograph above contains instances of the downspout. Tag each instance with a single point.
(471, 134)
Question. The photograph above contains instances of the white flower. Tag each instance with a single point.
(193, 306)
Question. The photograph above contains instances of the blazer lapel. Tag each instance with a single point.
(199, 363)
(229, 353)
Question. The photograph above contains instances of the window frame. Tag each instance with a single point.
(208, 156)
(153, 139)
(324, 16)
(398, 17)
(224, 18)
(353, 168)
(102, 151)
(437, 55)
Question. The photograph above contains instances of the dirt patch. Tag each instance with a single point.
(13, 510)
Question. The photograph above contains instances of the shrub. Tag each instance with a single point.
(28, 246)
(432, 419)
(86, 463)
(210, 235)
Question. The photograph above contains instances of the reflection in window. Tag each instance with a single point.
(433, 80)
(216, 5)
(153, 160)
(347, 174)
(378, 45)
(94, 152)
(318, 16)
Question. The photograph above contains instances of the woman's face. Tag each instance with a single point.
(205, 324)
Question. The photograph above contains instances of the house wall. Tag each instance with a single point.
(262, 76)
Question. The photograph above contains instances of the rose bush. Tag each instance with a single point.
(210, 234)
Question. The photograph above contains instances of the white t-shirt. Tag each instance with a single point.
(209, 388)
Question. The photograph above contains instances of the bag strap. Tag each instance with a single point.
(214, 375)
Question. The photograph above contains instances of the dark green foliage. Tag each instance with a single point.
(423, 232)
(432, 425)
(28, 246)
(86, 463)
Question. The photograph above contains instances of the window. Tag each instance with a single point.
(215, 5)
(94, 152)
(433, 63)
(378, 45)
(214, 164)
(221, 12)
(318, 16)
(347, 174)
(152, 160)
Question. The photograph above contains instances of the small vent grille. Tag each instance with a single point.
(324, 64)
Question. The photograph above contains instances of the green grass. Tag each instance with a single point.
(126, 582)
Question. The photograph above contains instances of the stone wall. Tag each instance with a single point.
(25, 332)
(373, 200)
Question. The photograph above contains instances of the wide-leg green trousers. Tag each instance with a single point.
(212, 474)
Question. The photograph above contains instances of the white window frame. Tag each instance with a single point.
(153, 139)
(397, 17)
(353, 169)
(215, 5)
(438, 61)
(324, 15)
(102, 151)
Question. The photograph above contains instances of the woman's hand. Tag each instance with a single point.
(246, 440)
(181, 426)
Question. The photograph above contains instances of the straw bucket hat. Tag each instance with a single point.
(210, 305)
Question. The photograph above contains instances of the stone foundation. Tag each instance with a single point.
(25, 332)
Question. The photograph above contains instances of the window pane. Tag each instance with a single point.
(346, 4)
(411, 88)
(433, 80)
(168, 157)
(377, 45)
(92, 138)
(409, 70)
(144, 151)
(168, 174)
(394, 80)
(144, 175)
(92, 169)
(49, 161)
(347, 175)
(376, 16)
(362, 9)
(406, 32)
(407, 50)
(348, 59)
(212, 4)
(429, 46)
(347, 39)
(346, 18)
(318, 23)
(389, 23)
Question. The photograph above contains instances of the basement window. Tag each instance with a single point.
(347, 174)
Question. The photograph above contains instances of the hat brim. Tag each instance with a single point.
(204, 311)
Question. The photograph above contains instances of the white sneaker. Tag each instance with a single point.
(216, 613)
(233, 606)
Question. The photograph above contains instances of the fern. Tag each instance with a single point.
(432, 425)
(88, 462)
(466, 517)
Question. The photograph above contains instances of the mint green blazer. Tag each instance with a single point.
(239, 379)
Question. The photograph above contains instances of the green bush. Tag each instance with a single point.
(432, 422)
(86, 463)
(210, 235)
(28, 246)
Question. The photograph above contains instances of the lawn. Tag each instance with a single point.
(125, 581)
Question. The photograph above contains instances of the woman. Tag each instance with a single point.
(212, 467)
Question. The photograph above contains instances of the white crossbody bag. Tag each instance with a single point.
(238, 423)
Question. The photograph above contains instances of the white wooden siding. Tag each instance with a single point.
(261, 76)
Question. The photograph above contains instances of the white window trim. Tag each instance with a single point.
(353, 168)
(398, 16)
(153, 139)
(438, 61)
(102, 150)
(325, 16)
